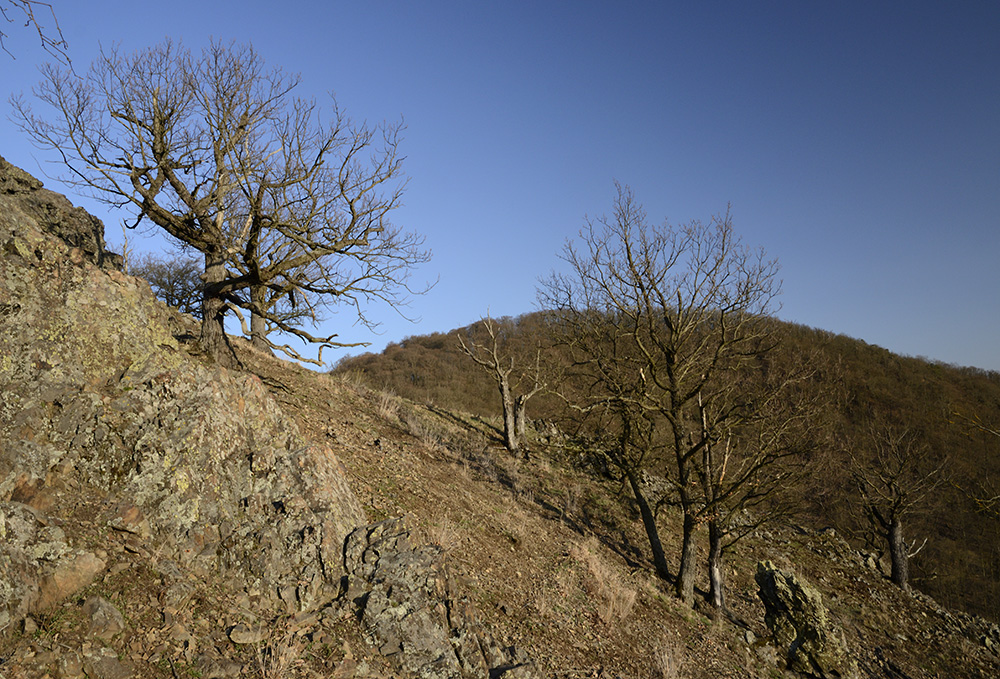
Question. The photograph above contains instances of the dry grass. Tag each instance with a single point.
(387, 405)
(667, 662)
(425, 426)
(443, 534)
(616, 599)
(280, 654)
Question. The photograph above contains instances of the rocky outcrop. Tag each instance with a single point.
(54, 214)
(121, 453)
(800, 626)
(105, 421)
(412, 612)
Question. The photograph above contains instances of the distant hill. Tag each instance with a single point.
(960, 564)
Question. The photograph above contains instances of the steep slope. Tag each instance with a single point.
(960, 563)
(553, 555)
(159, 512)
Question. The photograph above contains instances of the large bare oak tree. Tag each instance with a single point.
(284, 201)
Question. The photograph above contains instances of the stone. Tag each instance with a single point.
(800, 626)
(70, 665)
(78, 229)
(103, 663)
(412, 611)
(105, 620)
(70, 576)
(244, 634)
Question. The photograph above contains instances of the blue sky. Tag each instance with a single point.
(858, 142)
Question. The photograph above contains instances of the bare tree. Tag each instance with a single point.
(894, 476)
(216, 151)
(52, 42)
(605, 382)
(695, 304)
(753, 458)
(516, 385)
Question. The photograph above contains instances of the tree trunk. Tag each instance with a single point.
(897, 553)
(510, 439)
(689, 554)
(716, 575)
(649, 522)
(520, 423)
(213, 309)
(258, 326)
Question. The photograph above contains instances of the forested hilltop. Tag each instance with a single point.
(943, 409)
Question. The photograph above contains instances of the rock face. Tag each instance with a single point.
(799, 624)
(413, 614)
(54, 214)
(195, 465)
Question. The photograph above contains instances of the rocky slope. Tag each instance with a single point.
(134, 473)
(163, 517)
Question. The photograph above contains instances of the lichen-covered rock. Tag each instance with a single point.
(55, 214)
(799, 623)
(112, 434)
(413, 614)
(196, 465)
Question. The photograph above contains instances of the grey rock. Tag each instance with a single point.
(245, 634)
(105, 620)
(413, 612)
(103, 663)
(800, 626)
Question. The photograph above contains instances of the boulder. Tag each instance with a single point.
(801, 627)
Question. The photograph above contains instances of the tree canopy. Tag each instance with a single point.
(664, 323)
(287, 201)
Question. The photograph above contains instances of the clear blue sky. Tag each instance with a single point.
(858, 142)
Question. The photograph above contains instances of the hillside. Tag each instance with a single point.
(164, 517)
(960, 564)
